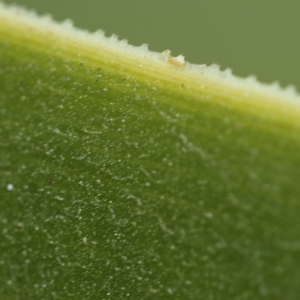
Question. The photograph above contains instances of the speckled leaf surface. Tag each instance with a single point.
(120, 183)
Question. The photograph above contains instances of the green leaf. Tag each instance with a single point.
(128, 174)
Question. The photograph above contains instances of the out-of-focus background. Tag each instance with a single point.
(260, 37)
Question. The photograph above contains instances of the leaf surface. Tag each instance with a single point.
(127, 174)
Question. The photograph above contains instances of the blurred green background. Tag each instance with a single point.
(260, 37)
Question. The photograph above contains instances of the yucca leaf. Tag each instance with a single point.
(128, 174)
